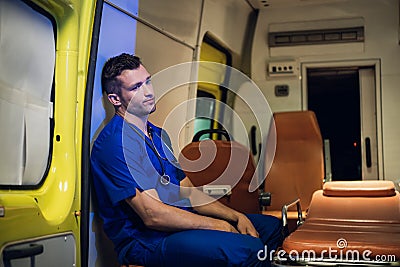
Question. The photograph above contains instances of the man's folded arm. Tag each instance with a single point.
(159, 216)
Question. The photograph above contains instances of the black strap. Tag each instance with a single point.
(197, 136)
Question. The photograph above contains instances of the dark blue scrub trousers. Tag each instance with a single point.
(207, 248)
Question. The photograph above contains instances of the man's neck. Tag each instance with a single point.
(140, 122)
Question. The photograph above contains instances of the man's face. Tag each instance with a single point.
(137, 94)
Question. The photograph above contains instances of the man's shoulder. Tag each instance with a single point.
(112, 129)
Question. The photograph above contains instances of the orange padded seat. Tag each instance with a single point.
(218, 162)
(297, 169)
(361, 216)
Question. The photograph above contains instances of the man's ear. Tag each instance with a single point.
(114, 99)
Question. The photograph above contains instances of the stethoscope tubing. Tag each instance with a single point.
(164, 179)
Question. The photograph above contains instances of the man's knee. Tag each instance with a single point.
(269, 228)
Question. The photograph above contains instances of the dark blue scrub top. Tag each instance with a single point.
(121, 162)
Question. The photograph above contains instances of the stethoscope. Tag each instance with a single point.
(164, 178)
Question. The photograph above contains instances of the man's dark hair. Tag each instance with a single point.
(113, 68)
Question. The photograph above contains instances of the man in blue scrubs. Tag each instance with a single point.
(144, 198)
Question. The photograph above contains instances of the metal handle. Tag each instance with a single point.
(300, 220)
(299, 212)
(368, 152)
(31, 250)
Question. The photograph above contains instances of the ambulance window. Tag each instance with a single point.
(205, 113)
(211, 93)
(27, 59)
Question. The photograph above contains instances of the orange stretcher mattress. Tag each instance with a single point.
(358, 220)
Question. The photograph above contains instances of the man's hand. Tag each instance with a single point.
(244, 226)
(225, 226)
(216, 209)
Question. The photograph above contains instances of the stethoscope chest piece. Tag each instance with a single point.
(165, 179)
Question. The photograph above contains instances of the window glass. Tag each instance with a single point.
(205, 113)
(27, 58)
(209, 93)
